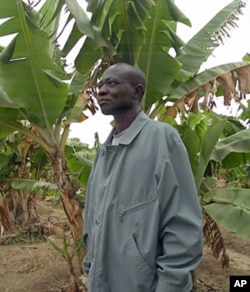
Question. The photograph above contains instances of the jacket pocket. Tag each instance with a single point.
(141, 276)
(136, 208)
(136, 255)
(86, 266)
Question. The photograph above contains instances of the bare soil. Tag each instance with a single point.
(36, 266)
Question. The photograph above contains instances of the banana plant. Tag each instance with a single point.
(230, 206)
(35, 91)
(210, 140)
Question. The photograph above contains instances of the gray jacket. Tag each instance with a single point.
(143, 223)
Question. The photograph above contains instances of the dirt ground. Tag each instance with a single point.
(39, 267)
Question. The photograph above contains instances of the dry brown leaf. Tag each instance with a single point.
(214, 239)
(172, 111)
(244, 79)
(228, 85)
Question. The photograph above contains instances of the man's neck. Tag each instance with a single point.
(123, 121)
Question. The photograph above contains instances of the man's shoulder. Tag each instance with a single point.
(157, 125)
(162, 133)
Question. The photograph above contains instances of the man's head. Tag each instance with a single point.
(121, 89)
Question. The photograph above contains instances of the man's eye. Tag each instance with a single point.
(112, 83)
(109, 83)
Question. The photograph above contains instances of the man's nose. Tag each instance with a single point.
(102, 90)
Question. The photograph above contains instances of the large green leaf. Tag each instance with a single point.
(200, 132)
(88, 56)
(35, 87)
(81, 18)
(71, 41)
(159, 67)
(229, 146)
(29, 185)
(196, 51)
(207, 146)
(235, 159)
(8, 115)
(129, 28)
(94, 44)
(80, 160)
(6, 102)
(205, 77)
(5, 160)
(230, 207)
(124, 26)
(118, 31)
(139, 32)
(49, 13)
(10, 124)
(192, 142)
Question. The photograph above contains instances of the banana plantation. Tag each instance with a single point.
(40, 98)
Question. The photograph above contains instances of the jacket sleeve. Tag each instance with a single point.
(86, 261)
(86, 264)
(181, 222)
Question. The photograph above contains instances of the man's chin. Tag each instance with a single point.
(105, 112)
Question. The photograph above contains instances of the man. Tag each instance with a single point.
(143, 223)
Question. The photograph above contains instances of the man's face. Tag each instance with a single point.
(115, 93)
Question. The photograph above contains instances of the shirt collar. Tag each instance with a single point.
(132, 131)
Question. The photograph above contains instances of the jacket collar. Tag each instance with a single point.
(132, 131)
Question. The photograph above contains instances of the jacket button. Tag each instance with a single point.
(97, 221)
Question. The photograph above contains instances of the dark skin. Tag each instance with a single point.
(119, 94)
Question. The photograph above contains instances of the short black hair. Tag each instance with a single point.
(136, 74)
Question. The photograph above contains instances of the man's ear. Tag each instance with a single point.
(139, 91)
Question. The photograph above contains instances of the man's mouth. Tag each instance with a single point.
(102, 101)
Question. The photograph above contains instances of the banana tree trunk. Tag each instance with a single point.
(5, 221)
(70, 203)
